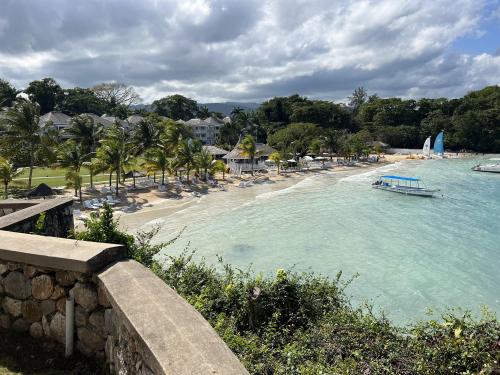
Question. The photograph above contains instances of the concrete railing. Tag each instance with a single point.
(22, 216)
(120, 310)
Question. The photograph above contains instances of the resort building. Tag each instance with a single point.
(58, 119)
(99, 120)
(216, 152)
(207, 130)
(239, 163)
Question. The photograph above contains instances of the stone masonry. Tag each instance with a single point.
(33, 299)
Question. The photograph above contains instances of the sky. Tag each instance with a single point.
(252, 50)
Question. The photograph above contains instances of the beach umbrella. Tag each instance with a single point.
(308, 158)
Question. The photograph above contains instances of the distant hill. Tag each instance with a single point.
(227, 107)
(224, 108)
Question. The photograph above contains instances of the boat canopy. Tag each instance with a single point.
(400, 178)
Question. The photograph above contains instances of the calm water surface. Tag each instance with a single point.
(411, 253)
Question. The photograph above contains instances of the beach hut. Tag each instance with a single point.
(216, 152)
(41, 190)
(239, 163)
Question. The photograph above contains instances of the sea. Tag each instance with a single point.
(409, 257)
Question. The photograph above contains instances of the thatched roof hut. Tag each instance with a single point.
(41, 190)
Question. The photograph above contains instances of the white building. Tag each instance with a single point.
(208, 130)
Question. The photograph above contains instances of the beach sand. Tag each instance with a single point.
(151, 204)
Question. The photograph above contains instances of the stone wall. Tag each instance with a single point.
(33, 299)
(22, 216)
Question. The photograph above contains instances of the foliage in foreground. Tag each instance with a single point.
(304, 324)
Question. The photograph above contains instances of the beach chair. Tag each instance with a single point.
(96, 202)
(111, 200)
(89, 205)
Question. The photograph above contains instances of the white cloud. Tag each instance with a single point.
(248, 50)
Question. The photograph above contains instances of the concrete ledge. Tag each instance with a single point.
(58, 253)
(32, 208)
(176, 338)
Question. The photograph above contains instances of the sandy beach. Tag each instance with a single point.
(143, 205)
(140, 207)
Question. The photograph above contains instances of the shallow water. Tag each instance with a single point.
(411, 253)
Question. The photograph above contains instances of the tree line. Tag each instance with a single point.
(294, 125)
(156, 145)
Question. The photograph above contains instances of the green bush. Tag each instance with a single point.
(304, 324)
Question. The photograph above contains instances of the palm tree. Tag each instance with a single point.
(203, 112)
(236, 112)
(7, 173)
(276, 158)
(22, 128)
(115, 149)
(71, 156)
(87, 133)
(249, 148)
(330, 141)
(74, 180)
(145, 136)
(156, 159)
(186, 155)
(203, 160)
(220, 166)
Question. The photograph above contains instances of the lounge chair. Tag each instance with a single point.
(89, 205)
(111, 200)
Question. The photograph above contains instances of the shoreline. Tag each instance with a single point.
(143, 206)
(164, 208)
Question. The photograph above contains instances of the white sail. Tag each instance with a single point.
(427, 148)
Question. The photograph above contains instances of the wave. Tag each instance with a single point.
(305, 184)
(374, 172)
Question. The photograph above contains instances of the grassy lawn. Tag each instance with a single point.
(54, 177)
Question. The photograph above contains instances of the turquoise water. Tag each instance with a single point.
(411, 253)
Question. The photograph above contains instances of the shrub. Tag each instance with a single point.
(304, 324)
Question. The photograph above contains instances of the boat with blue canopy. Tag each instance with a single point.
(403, 185)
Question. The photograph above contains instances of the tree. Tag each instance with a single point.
(203, 112)
(276, 158)
(176, 107)
(74, 180)
(186, 155)
(78, 100)
(115, 150)
(220, 166)
(7, 173)
(295, 138)
(357, 99)
(7, 93)
(249, 148)
(203, 160)
(87, 133)
(116, 94)
(330, 141)
(145, 135)
(22, 130)
(46, 92)
(156, 159)
(72, 156)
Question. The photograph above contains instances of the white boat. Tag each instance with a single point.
(426, 150)
(403, 185)
(492, 168)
